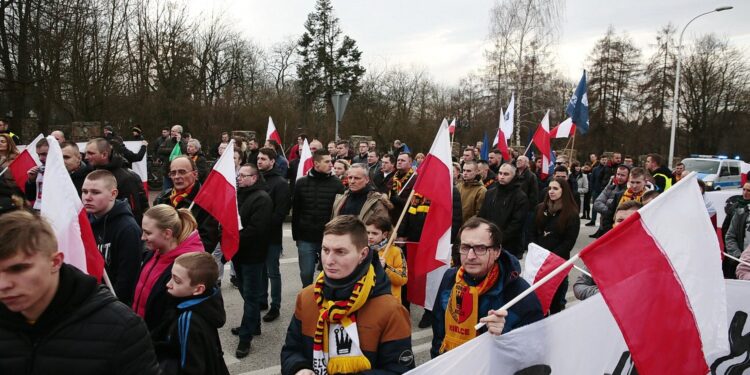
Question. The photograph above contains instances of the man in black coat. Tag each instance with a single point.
(278, 189)
(129, 185)
(256, 210)
(165, 150)
(663, 178)
(507, 206)
(311, 209)
(383, 178)
(76, 167)
(54, 319)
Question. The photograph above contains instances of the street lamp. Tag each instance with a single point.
(677, 82)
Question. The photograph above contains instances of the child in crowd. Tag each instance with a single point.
(188, 340)
(392, 259)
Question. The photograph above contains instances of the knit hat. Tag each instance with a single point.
(136, 129)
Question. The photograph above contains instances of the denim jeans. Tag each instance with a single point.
(271, 272)
(594, 214)
(308, 253)
(250, 277)
(217, 254)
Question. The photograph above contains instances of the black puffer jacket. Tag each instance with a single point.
(529, 186)
(84, 330)
(118, 237)
(208, 227)
(278, 189)
(313, 199)
(507, 206)
(256, 210)
(548, 234)
(78, 176)
(129, 186)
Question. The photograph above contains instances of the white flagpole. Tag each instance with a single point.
(108, 283)
(736, 259)
(4, 170)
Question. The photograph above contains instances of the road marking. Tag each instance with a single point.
(227, 267)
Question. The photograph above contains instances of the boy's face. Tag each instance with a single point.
(340, 256)
(179, 285)
(375, 235)
(29, 282)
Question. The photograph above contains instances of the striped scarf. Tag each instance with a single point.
(339, 318)
(629, 195)
(177, 196)
(399, 182)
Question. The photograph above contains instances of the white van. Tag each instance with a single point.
(717, 172)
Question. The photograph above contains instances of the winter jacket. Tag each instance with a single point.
(510, 284)
(472, 197)
(383, 325)
(118, 237)
(411, 226)
(83, 331)
(311, 208)
(129, 186)
(603, 204)
(281, 165)
(208, 227)
(584, 287)
(187, 342)
(735, 237)
(165, 150)
(743, 271)
(395, 269)
(360, 159)
(583, 183)
(598, 182)
(383, 182)
(367, 203)
(507, 207)
(278, 188)
(549, 236)
(201, 165)
(256, 211)
(529, 185)
(79, 176)
(662, 178)
(151, 300)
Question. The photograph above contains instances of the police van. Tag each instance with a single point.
(718, 172)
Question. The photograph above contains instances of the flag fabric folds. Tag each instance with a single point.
(506, 122)
(565, 129)
(501, 138)
(660, 277)
(63, 209)
(452, 126)
(538, 263)
(176, 151)
(271, 132)
(578, 107)
(542, 142)
(26, 160)
(305, 161)
(218, 196)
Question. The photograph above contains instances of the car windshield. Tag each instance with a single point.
(702, 166)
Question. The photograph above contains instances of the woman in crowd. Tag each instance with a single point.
(8, 153)
(555, 228)
(195, 153)
(582, 181)
(340, 167)
(168, 233)
(586, 208)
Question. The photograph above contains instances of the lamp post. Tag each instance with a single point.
(675, 111)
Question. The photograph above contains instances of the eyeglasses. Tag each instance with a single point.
(178, 172)
(245, 175)
(479, 250)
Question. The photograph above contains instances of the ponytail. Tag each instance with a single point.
(180, 221)
(187, 224)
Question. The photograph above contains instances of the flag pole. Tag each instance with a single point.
(581, 270)
(736, 259)
(108, 283)
(4, 170)
(528, 147)
(398, 223)
(536, 285)
(572, 149)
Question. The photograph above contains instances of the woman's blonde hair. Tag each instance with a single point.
(180, 221)
(12, 149)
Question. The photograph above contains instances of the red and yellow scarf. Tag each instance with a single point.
(629, 195)
(462, 312)
(177, 196)
(337, 325)
(400, 182)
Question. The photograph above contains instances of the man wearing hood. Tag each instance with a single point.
(347, 321)
(311, 209)
(472, 190)
(129, 186)
(507, 206)
(117, 235)
(278, 189)
(361, 199)
(487, 278)
(256, 209)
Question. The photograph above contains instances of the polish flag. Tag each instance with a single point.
(218, 196)
(744, 169)
(664, 288)
(565, 129)
(542, 141)
(305, 161)
(271, 132)
(26, 160)
(62, 207)
(452, 127)
(501, 139)
(140, 167)
(537, 264)
(432, 255)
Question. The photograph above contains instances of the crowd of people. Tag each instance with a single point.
(352, 215)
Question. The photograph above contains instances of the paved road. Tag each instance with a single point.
(264, 355)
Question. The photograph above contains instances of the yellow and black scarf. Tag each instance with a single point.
(629, 195)
(462, 313)
(337, 324)
(400, 182)
(177, 196)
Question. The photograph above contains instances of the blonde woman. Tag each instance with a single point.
(8, 153)
(168, 233)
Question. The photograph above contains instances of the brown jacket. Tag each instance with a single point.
(376, 204)
(472, 197)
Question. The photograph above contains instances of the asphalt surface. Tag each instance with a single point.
(264, 355)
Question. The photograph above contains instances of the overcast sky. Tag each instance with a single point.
(447, 38)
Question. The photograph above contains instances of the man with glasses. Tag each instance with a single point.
(506, 206)
(255, 208)
(472, 293)
(184, 176)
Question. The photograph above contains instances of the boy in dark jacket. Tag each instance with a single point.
(188, 341)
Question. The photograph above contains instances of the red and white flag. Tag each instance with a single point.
(139, 167)
(431, 257)
(665, 288)
(452, 126)
(305, 161)
(541, 140)
(501, 139)
(26, 160)
(218, 196)
(537, 264)
(271, 132)
(744, 169)
(565, 129)
(62, 207)
(506, 121)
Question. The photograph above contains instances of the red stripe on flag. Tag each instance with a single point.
(659, 327)
(94, 259)
(546, 292)
(417, 284)
(219, 198)
(18, 168)
(431, 183)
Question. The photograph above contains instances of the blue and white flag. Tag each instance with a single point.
(578, 107)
